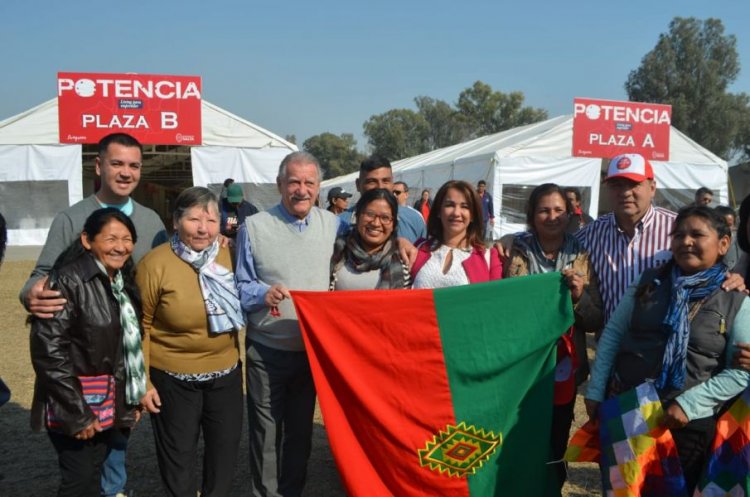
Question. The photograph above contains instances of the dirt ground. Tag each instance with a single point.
(28, 465)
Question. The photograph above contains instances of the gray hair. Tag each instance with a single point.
(298, 158)
(192, 197)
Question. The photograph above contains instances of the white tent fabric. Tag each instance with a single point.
(30, 154)
(244, 165)
(236, 148)
(539, 153)
(38, 173)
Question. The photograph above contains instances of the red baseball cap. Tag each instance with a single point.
(634, 167)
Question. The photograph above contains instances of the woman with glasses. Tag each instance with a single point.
(454, 252)
(367, 258)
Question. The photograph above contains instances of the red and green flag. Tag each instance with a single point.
(442, 392)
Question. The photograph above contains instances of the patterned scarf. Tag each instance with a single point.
(135, 371)
(349, 250)
(685, 289)
(528, 244)
(217, 286)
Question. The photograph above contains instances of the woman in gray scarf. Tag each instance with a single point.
(367, 257)
(544, 248)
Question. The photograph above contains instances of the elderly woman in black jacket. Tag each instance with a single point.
(87, 358)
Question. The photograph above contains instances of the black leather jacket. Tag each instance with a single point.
(85, 339)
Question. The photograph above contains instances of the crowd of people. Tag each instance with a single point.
(127, 320)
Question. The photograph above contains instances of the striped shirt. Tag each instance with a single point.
(619, 260)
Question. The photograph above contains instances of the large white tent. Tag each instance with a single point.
(39, 176)
(514, 161)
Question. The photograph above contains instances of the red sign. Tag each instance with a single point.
(605, 128)
(162, 110)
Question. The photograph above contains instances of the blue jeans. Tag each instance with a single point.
(113, 476)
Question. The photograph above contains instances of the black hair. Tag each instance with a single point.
(379, 194)
(702, 191)
(93, 225)
(123, 139)
(3, 237)
(372, 163)
(537, 194)
(575, 191)
(228, 182)
(725, 210)
(481, 182)
(742, 240)
(715, 220)
(406, 187)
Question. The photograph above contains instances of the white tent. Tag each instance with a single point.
(514, 161)
(39, 176)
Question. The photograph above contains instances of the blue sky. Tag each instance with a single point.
(304, 68)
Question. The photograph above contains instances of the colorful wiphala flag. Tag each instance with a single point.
(639, 456)
(728, 469)
(438, 392)
(584, 444)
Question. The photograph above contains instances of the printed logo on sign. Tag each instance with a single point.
(623, 163)
(623, 126)
(184, 138)
(130, 104)
(85, 88)
(593, 111)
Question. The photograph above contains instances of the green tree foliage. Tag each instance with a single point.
(487, 111)
(398, 133)
(480, 110)
(337, 154)
(291, 138)
(446, 126)
(691, 68)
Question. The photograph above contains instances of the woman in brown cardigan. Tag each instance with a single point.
(191, 318)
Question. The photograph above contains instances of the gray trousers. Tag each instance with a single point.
(280, 407)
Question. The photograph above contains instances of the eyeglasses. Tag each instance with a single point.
(370, 216)
(397, 192)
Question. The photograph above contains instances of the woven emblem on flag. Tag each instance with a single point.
(459, 450)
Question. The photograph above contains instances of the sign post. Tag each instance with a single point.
(605, 128)
(154, 109)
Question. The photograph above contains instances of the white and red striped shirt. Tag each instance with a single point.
(619, 260)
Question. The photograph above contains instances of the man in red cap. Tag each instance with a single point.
(634, 236)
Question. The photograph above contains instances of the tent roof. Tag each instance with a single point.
(550, 138)
(39, 126)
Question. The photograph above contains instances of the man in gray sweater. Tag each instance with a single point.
(286, 247)
(119, 166)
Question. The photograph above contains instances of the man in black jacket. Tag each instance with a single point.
(234, 210)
